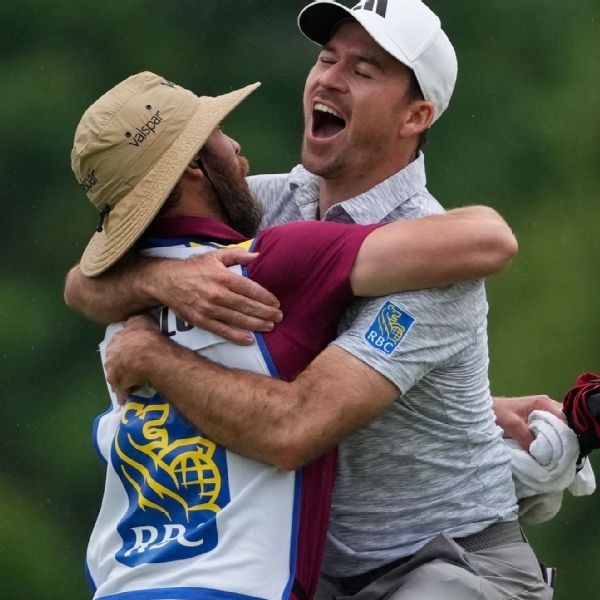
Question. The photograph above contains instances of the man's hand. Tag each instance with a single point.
(512, 415)
(201, 290)
(126, 354)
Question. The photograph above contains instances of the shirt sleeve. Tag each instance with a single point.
(307, 266)
(309, 258)
(407, 335)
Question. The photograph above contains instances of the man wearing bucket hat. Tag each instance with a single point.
(364, 125)
(181, 513)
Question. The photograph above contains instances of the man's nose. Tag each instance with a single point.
(235, 144)
(334, 77)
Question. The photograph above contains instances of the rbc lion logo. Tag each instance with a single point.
(389, 328)
(176, 483)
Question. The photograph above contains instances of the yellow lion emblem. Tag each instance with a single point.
(180, 470)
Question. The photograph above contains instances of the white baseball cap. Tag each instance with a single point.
(406, 29)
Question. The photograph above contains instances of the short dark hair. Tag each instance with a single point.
(414, 92)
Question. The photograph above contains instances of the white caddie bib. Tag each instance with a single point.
(181, 516)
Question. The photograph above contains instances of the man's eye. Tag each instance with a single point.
(326, 60)
(363, 74)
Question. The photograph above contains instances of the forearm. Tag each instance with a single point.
(461, 245)
(284, 424)
(114, 295)
(253, 415)
(200, 290)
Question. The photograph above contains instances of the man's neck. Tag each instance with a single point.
(190, 206)
(334, 190)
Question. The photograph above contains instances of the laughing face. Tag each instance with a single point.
(355, 105)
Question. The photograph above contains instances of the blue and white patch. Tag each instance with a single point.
(176, 482)
(389, 328)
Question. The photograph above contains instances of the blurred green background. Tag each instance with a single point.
(522, 135)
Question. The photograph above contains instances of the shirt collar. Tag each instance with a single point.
(168, 227)
(369, 207)
(305, 189)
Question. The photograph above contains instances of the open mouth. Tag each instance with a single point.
(326, 122)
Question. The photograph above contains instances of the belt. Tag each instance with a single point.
(497, 534)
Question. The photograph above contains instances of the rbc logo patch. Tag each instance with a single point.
(389, 328)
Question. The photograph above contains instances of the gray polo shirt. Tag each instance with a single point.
(435, 460)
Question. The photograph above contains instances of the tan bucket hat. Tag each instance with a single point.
(131, 148)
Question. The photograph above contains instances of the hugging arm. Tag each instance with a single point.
(285, 424)
(464, 244)
(336, 395)
(201, 290)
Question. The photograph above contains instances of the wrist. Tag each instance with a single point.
(152, 279)
(159, 359)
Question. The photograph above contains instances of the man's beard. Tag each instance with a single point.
(241, 210)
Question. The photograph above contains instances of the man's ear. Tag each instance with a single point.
(418, 118)
(194, 170)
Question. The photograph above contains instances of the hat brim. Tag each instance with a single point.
(138, 208)
(318, 21)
